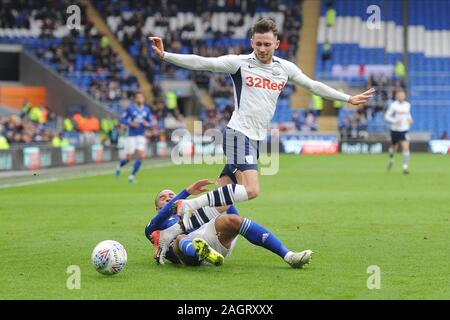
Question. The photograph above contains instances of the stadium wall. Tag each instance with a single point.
(37, 157)
(13, 96)
(374, 147)
(34, 157)
(61, 95)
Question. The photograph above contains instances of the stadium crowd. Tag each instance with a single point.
(36, 124)
(130, 19)
(358, 123)
(82, 56)
(85, 57)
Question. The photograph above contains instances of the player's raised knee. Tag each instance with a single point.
(179, 238)
(233, 222)
(252, 192)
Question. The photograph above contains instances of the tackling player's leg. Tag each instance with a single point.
(192, 251)
(206, 252)
(230, 225)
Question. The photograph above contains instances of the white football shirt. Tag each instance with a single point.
(257, 86)
(399, 115)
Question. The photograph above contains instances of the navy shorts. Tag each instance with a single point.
(242, 153)
(397, 136)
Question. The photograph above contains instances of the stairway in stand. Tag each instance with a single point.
(327, 123)
(127, 60)
(306, 60)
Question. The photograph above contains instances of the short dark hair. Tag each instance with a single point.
(265, 25)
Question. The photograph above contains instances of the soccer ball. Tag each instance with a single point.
(109, 257)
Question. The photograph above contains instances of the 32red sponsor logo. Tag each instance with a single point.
(263, 83)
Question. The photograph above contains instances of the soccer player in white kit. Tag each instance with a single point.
(399, 116)
(258, 79)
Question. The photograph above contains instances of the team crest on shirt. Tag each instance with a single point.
(276, 71)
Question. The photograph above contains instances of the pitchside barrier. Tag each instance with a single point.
(330, 143)
(42, 156)
(34, 157)
(374, 147)
(380, 142)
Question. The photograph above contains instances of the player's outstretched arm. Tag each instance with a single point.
(226, 64)
(361, 98)
(158, 46)
(199, 187)
(323, 90)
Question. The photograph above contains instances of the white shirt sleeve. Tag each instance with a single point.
(225, 64)
(297, 77)
(389, 115)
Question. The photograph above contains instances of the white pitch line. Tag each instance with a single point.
(29, 183)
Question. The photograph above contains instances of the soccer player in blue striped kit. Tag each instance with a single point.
(137, 119)
(208, 235)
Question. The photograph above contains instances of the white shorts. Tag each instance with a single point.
(208, 233)
(135, 143)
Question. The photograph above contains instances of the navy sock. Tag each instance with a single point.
(232, 210)
(262, 237)
(137, 165)
(187, 248)
(123, 162)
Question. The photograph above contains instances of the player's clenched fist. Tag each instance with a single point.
(158, 46)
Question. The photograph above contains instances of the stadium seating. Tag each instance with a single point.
(46, 32)
(225, 29)
(353, 42)
(186, 29)
(429, 61)
(428, 52)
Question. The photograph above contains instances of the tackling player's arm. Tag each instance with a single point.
(160, 233)
(166, 212)
(321, 89)
(226, 64)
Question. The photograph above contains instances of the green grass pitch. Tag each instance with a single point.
(344, 207)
